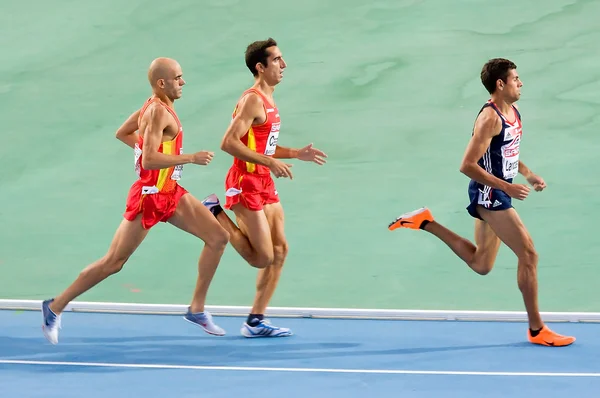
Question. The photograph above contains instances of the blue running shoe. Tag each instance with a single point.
(205, 321)
(51, 322)
(211, 202)
(264, 329)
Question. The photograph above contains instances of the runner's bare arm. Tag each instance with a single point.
(487, 126)
(250, 109)
(127, 133)
(307, 154)
(153, 123)
(524, 170)
(285, 153)
(536, 181)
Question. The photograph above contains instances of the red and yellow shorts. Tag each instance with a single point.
(155, 208)
(253, 191)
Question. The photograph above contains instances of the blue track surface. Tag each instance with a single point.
(110, 355)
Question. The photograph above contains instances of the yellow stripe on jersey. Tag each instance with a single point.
(164, 174)
(252, 146)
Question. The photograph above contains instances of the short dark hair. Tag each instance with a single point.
(257, 52)
(494, 69)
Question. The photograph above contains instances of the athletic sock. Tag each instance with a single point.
(216, 210)
(535, 332)
(254, 319)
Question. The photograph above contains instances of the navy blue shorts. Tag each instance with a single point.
(487, 197)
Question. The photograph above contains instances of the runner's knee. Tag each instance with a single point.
(266, 259)
(280, 252)
(218, 239)
(528, 256)
(482, 261)
(113, 263)
(262, 259)
(482, 267)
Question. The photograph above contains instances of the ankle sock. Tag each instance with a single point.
(216, 210)
(535, 332)
(254, 319)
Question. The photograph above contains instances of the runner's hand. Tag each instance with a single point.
(280, 169)
(517, 191)
(537, 182)
(203, 157)
(310, 154)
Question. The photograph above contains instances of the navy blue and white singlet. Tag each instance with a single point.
(501, 160)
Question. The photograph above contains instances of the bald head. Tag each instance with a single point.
(162, 68)
(165, 77)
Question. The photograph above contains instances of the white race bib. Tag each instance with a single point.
(177, 170)
(272, 140)
(510, 161)
(510, 152)
(137, 153)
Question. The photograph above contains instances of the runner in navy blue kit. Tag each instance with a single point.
(491, 161)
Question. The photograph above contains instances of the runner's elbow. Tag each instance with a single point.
(466, 168)
(226, 145)
(119, 135)
(148, 164)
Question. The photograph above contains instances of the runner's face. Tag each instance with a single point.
(273, 73)
(512, 88)
(173, 86)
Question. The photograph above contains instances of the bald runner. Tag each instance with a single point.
(155, 134)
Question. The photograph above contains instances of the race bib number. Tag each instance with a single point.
(177, 170)
(510, 162)
(177, 173)
(511, 168)
(510, 152)
(272, 140)
(137, 153)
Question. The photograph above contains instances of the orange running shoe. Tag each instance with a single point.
(413, 220)
(549, 338)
